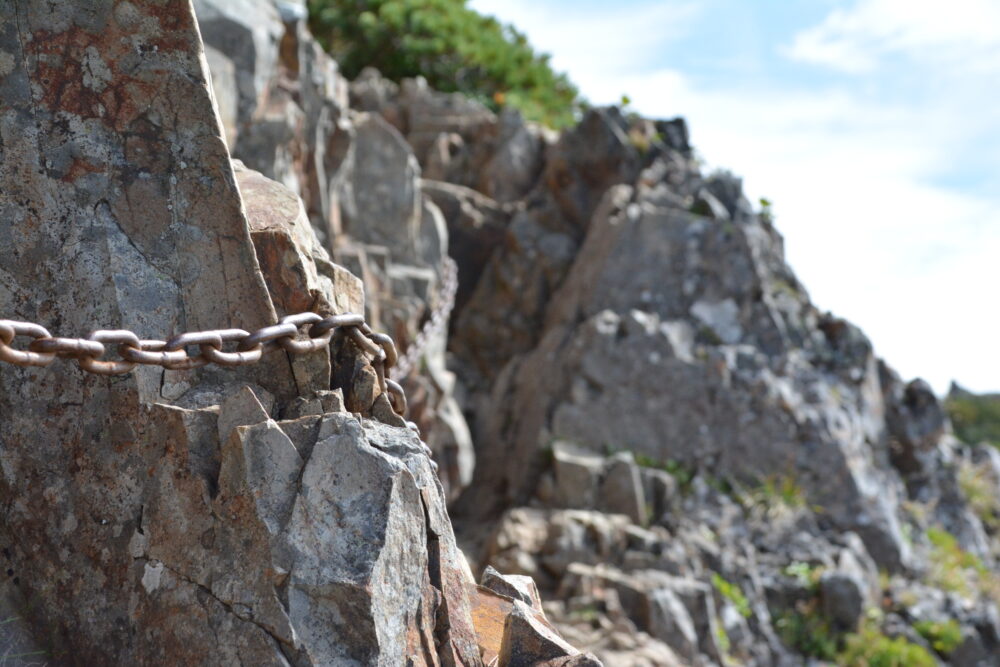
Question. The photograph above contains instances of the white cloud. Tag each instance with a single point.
(601, 41)
(960, 33)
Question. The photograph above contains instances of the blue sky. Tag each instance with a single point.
(872, 125)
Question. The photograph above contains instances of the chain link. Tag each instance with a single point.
(296, 334)
(301, 333)
(437, 322)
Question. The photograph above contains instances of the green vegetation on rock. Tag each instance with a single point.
(775, 494)
(956, 570)
(871, 648)
(975, 418)
(944, 636)
(807, 631)
(733, 593)
(805, 575)
(683, 474)
(977, 487)
(455, 48)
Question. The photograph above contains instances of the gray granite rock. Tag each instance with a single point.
(248, 32)
(528, 640)
(516, 586)
(843, 598)
(612, 328)
(621, 490)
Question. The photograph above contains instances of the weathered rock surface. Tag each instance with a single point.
(677, 332)
(512, 628)
(359, 180)
(635, 306)
(626, 301)
(215, 516)
(662, 418)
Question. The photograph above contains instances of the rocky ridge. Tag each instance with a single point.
(275, 514)
(694, 462)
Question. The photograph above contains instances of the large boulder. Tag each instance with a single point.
(916, 421)
(189, 516)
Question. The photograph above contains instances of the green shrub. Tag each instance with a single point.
(977, 487)
(950, 564)
(871, 648)
(944, 636)
(975, 419)
(806, 576)
(807, 631)
(455, 48)
(587, 614)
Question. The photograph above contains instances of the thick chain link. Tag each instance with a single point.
(296, 334)
(437, 321)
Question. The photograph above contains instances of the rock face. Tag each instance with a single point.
(635, 336)
(192, 517)
(694, 463)
(289, 118)
(622, 317)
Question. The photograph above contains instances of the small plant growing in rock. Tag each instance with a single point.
(733, 593)
(807, 631)
(805, 575)
(706, 334)
(775, 495)
(976, 419)
(766, 211)
(683, 474)
(978, 489)
(640, 141)
(586, 614)
(943, 636)
(722, 637)
(780, 286)
(804, 628)
(950, 564)
(723, 642)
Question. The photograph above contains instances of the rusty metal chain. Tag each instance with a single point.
(289, 334)
(437, 321)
